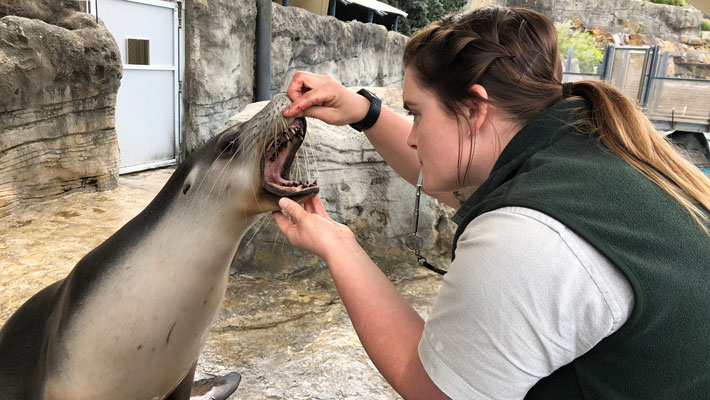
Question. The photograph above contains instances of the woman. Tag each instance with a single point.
(581, 259)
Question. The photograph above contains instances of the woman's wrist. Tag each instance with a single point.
(338, 250)
(373, 111)
(361, 106)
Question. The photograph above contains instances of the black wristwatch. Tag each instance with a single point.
(372, 113)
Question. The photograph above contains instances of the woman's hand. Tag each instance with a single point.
(311, 229)
(322, 97)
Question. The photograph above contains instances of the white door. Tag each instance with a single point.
(147, 105)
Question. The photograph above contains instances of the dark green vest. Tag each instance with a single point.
(663, 350)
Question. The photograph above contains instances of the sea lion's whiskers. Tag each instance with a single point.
(315, 159)
(219, 176)
(260, 223)
(276, 238)
(218, 157)
(209, 169)
(295, 174)
(307, 153)
(283, 242)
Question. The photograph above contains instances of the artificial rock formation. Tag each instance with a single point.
(220, 46)
(359, 190)
(618, 16)
(59, 75)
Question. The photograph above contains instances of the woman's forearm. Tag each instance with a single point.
(387, 325)
(389, 137)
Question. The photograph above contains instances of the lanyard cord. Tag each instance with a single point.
(414, 241)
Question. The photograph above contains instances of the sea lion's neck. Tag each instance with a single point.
(165, 289)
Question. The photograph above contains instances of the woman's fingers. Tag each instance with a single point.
(293, 209)
(301, 84)
(311, 229)
(309, 206)
(318, 207)
(297, 87)
(284, 224)
(314, 205)
(310, 104)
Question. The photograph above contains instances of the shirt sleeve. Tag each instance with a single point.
(524, 296)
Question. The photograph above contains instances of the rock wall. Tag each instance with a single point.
(219, 64)
(59, 75)
(617, 16)
(359, 190)
(220, 45)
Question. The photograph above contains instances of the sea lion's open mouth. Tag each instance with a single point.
(278, 158)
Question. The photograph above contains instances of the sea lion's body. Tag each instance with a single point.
(130, 319)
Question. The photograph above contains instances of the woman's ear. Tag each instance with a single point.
(477, 110)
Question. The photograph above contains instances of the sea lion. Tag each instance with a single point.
(130, 319)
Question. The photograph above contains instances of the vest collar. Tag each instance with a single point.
(539, 133)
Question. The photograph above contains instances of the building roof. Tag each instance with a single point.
(382, 7)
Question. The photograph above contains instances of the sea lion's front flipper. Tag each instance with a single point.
(217, 388)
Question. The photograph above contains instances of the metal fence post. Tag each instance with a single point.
(663, 66)
(648, 75)
(263, 50)
(606, 62)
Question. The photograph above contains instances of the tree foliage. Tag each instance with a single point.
(422, 12)
(678, 3)
(584, 47)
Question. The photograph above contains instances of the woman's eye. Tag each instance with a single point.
(411, 114)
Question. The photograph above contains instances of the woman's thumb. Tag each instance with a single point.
(292, 208)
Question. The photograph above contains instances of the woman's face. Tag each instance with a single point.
(437, 136)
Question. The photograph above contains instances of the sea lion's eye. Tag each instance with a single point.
(228, 144)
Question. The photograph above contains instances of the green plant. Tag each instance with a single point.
(677, 3)
(584, 47)
(705, 26)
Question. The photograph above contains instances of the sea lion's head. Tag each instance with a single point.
(248, 164)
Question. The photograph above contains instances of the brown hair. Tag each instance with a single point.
(512, 53)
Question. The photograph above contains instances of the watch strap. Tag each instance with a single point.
(373, 113)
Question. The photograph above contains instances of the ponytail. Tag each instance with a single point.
(628, 133)
(512, 53)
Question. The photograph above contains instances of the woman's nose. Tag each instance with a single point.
(412, 139)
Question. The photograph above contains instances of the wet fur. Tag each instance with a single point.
(130, 319)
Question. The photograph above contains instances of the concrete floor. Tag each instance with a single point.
(290, 339)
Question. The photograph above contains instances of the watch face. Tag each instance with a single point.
(366, 93)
